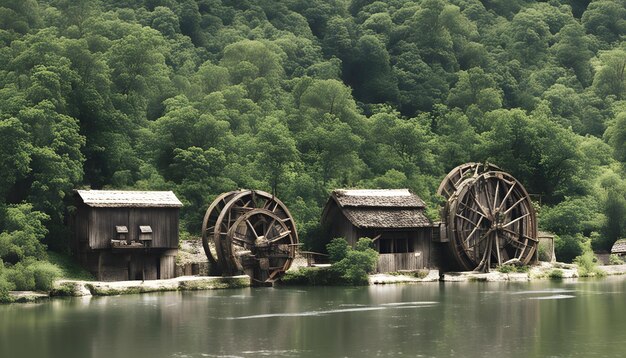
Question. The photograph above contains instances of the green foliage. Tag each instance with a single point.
(513, 269)
(568, 247)
(312, 276)
(337, 249)
(587, 262)
(69, 268)
(614, 259)
(44, 274)
(555, 274)
(357, 263)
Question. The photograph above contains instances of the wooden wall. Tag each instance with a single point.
(403, 261)
(338, 225)
(164, 223)
(119, 266)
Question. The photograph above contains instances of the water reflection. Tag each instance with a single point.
(517, 319)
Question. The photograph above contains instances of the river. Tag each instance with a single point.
(584, 318)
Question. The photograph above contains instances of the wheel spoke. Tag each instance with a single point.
(515, 220)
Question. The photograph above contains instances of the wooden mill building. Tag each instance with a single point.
(126, 235)
(393, 218)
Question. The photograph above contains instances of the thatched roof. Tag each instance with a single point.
(385, 208)
(387, 218)
(399, 198)
(136, 199)
(619, 247)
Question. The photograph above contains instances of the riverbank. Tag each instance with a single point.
(77, 288)
(541, 271)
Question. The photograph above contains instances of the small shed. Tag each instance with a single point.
(393, 218)
(126, 235)
(619, 248)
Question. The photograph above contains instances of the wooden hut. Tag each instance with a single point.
(619, 248)
(126, 235)
(394, 219)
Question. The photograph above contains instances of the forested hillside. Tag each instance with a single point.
(299, 97)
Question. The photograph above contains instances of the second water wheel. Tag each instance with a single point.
(489, 218)
(252, 232)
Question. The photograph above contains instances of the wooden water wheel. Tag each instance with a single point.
(253, 233)
(489, 220)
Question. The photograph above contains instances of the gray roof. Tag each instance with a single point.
(399, 198)
(381, 208)
(136, 199)
(387, 218)
(619, 247)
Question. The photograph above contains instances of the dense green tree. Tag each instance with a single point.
(616, 136)
(605, 19)
(610, 77)
(277, 152)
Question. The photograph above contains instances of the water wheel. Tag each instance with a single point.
(253, 233)
(489, 220)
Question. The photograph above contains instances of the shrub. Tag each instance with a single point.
(44, 273)
(513, 268)
(567, 247)
(5, 285)
(587, 263)
(357, 263)
(556, 274)
(615, 260)
(21, 276)
(311, 276)
(337, 249)
(32, 275)
(506, 268)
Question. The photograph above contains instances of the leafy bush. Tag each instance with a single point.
(615, 260)
(32, 275)
(567, 247)
(311, 276)
(556, 274)
(513, 268)
(357, 263)
(21, 276)
(587, 263)
(350, 266)
(44, 274)
(337, 249)
(5, 285)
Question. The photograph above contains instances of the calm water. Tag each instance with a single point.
(540, 319)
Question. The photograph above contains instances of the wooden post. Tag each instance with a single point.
(100, 266)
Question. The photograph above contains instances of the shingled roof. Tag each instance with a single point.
(384, 208)
(136, 199)
(399, 198)
(619, 247)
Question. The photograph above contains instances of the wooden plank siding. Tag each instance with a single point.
(164, 223)
(102, 222)
(402, 261)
